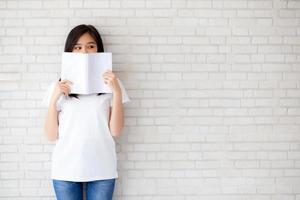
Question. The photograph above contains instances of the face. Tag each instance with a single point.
(85, 44)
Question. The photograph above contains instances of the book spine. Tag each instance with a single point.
(87, 72)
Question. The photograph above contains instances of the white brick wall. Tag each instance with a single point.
(214, 87)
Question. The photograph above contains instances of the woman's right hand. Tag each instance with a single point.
(61, 87)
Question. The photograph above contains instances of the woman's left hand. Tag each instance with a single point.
(111, 79)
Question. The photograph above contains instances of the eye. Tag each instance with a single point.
(92, 46)
(77, 47)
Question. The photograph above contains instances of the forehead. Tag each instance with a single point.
(86, 38)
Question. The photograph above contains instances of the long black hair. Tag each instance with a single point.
(74, 36)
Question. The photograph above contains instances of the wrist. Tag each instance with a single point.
(117, 91)
(52, 102)
(53, 99)
(52, 105)
(117, 96)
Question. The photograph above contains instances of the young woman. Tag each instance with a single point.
(84, 127)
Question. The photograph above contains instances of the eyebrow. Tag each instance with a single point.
(87, 43)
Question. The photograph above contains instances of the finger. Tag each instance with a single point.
(68, 88)
(108, 72)
(104, 76)
(69, 85)
(109, 76)
(62, 83)
(66, 81)
(64, 93)
(65, 90)
(65, 85)
(70, 82)
(108, 80)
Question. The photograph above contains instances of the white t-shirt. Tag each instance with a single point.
(85, 149)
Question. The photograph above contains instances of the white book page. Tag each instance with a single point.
(85, 71)
(98, 64)
(74, 69)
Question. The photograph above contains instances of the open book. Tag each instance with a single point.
(85, 70)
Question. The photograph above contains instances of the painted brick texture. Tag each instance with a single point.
(214, 88)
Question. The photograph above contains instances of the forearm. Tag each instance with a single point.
(116, 122)
(51, 123)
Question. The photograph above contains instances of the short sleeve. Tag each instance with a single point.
(125, 97)
(47, 96)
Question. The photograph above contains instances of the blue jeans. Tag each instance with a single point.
(95, 190)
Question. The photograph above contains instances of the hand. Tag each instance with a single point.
(62, 87)
(112, 81)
